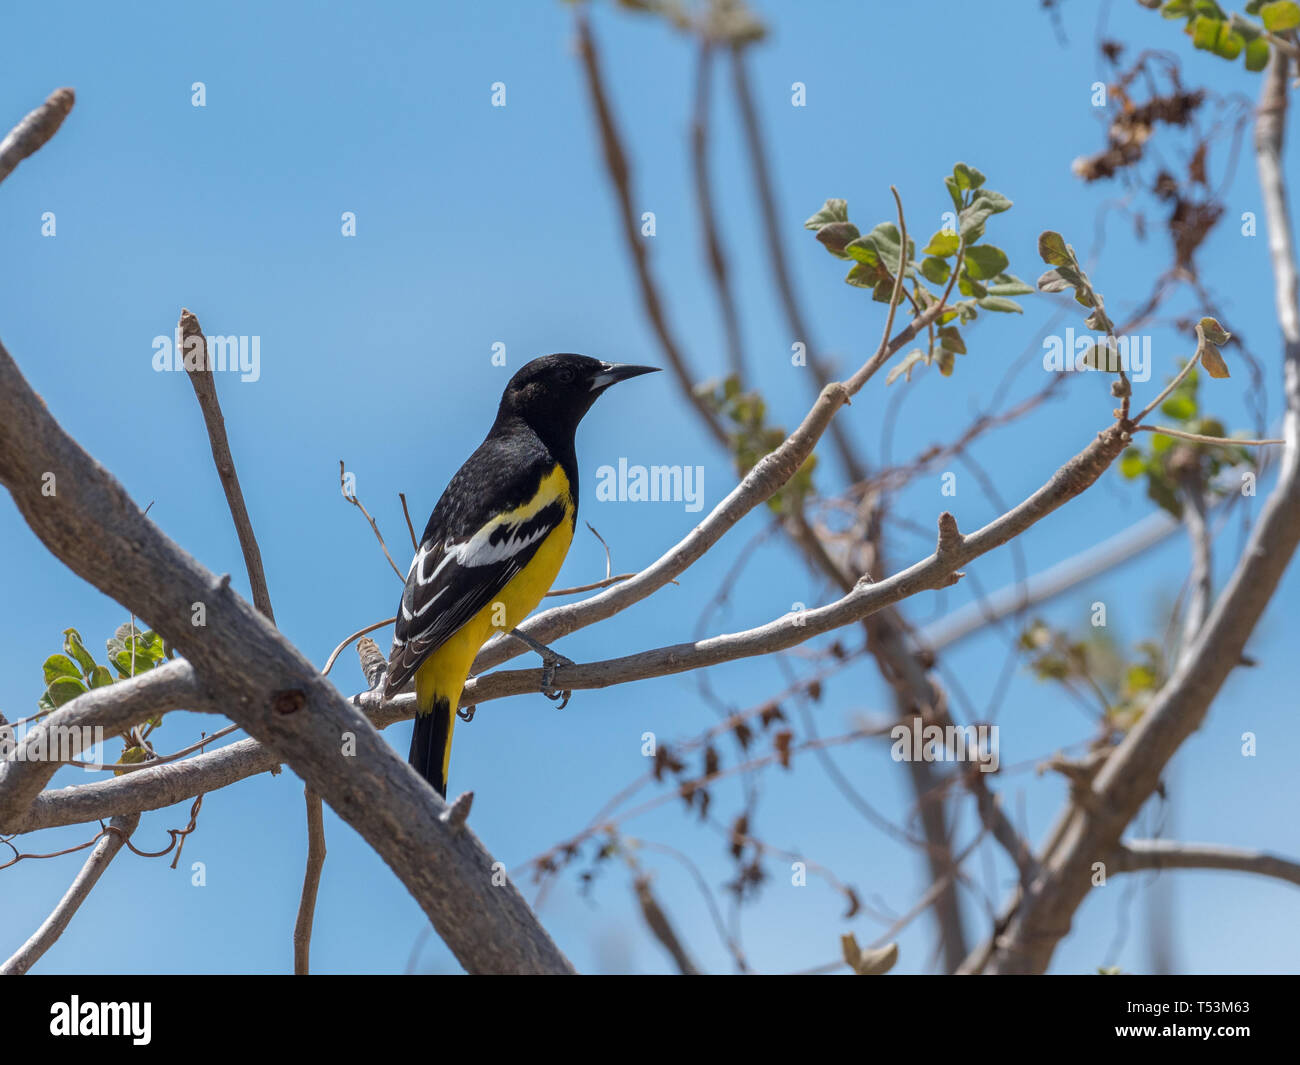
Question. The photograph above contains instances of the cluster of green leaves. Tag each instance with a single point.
(75, 671)
(130, 652)
(981, 269)
(1229, 35)
(1168, 460)
(1124, 685)
(751, 437)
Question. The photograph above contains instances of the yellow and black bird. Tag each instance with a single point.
(494, 543)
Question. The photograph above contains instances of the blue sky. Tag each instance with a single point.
(479, 225)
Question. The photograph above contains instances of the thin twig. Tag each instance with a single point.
(329, 664)
(310, 883)
(343, 485)
(415, 544)
(205, 390)
(1221, 440)
(620, 175)
(1143, 854)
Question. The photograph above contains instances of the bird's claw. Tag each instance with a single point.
(549, 664)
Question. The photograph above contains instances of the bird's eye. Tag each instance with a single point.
(566, 375)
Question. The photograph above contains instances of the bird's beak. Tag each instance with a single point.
(613, 372)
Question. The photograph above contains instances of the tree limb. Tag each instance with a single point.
(1140, 854)
(45, 937)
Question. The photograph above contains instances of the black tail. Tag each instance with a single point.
(429, 743)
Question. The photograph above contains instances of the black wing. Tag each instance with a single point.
(485, 529)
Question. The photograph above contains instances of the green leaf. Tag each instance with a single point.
(1001, 303)
(57, 666)
(954, 193)
(943, 244)
(889, 243)
(1140, 677)
(1229, 43)
(1161, 492)
(835, 235)
(100, 677)
(131, 756)
(971, 220)
(1280, 16)
(1256, 54)
(935, 270)
(73, 646)
(863, 276)
(968, 286)
(153, 645)
(64, 689)
(967, 177)
(1213, 331)
(882, 293)
(985, 262)
(1052, 281)
(1179, 407)
(950, 340)
(1205, 31)
(832, 211)
(1177, 9)
(1209, 334)
(1009, 285)
(1132, 463)
(1053, 249)
(994, 201)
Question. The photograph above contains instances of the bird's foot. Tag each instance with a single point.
(550, 661)
(466, 713)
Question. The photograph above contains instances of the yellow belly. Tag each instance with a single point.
(443, 673)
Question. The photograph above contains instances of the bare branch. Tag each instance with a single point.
(352, 498)
(45, 937)
(310, 883)
(33, 131)
(657, 921)
(1135, 855)
(199, 372)
(620, 176)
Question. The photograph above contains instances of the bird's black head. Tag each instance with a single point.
(554, 392)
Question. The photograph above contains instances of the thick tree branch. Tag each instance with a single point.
(265, 684)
